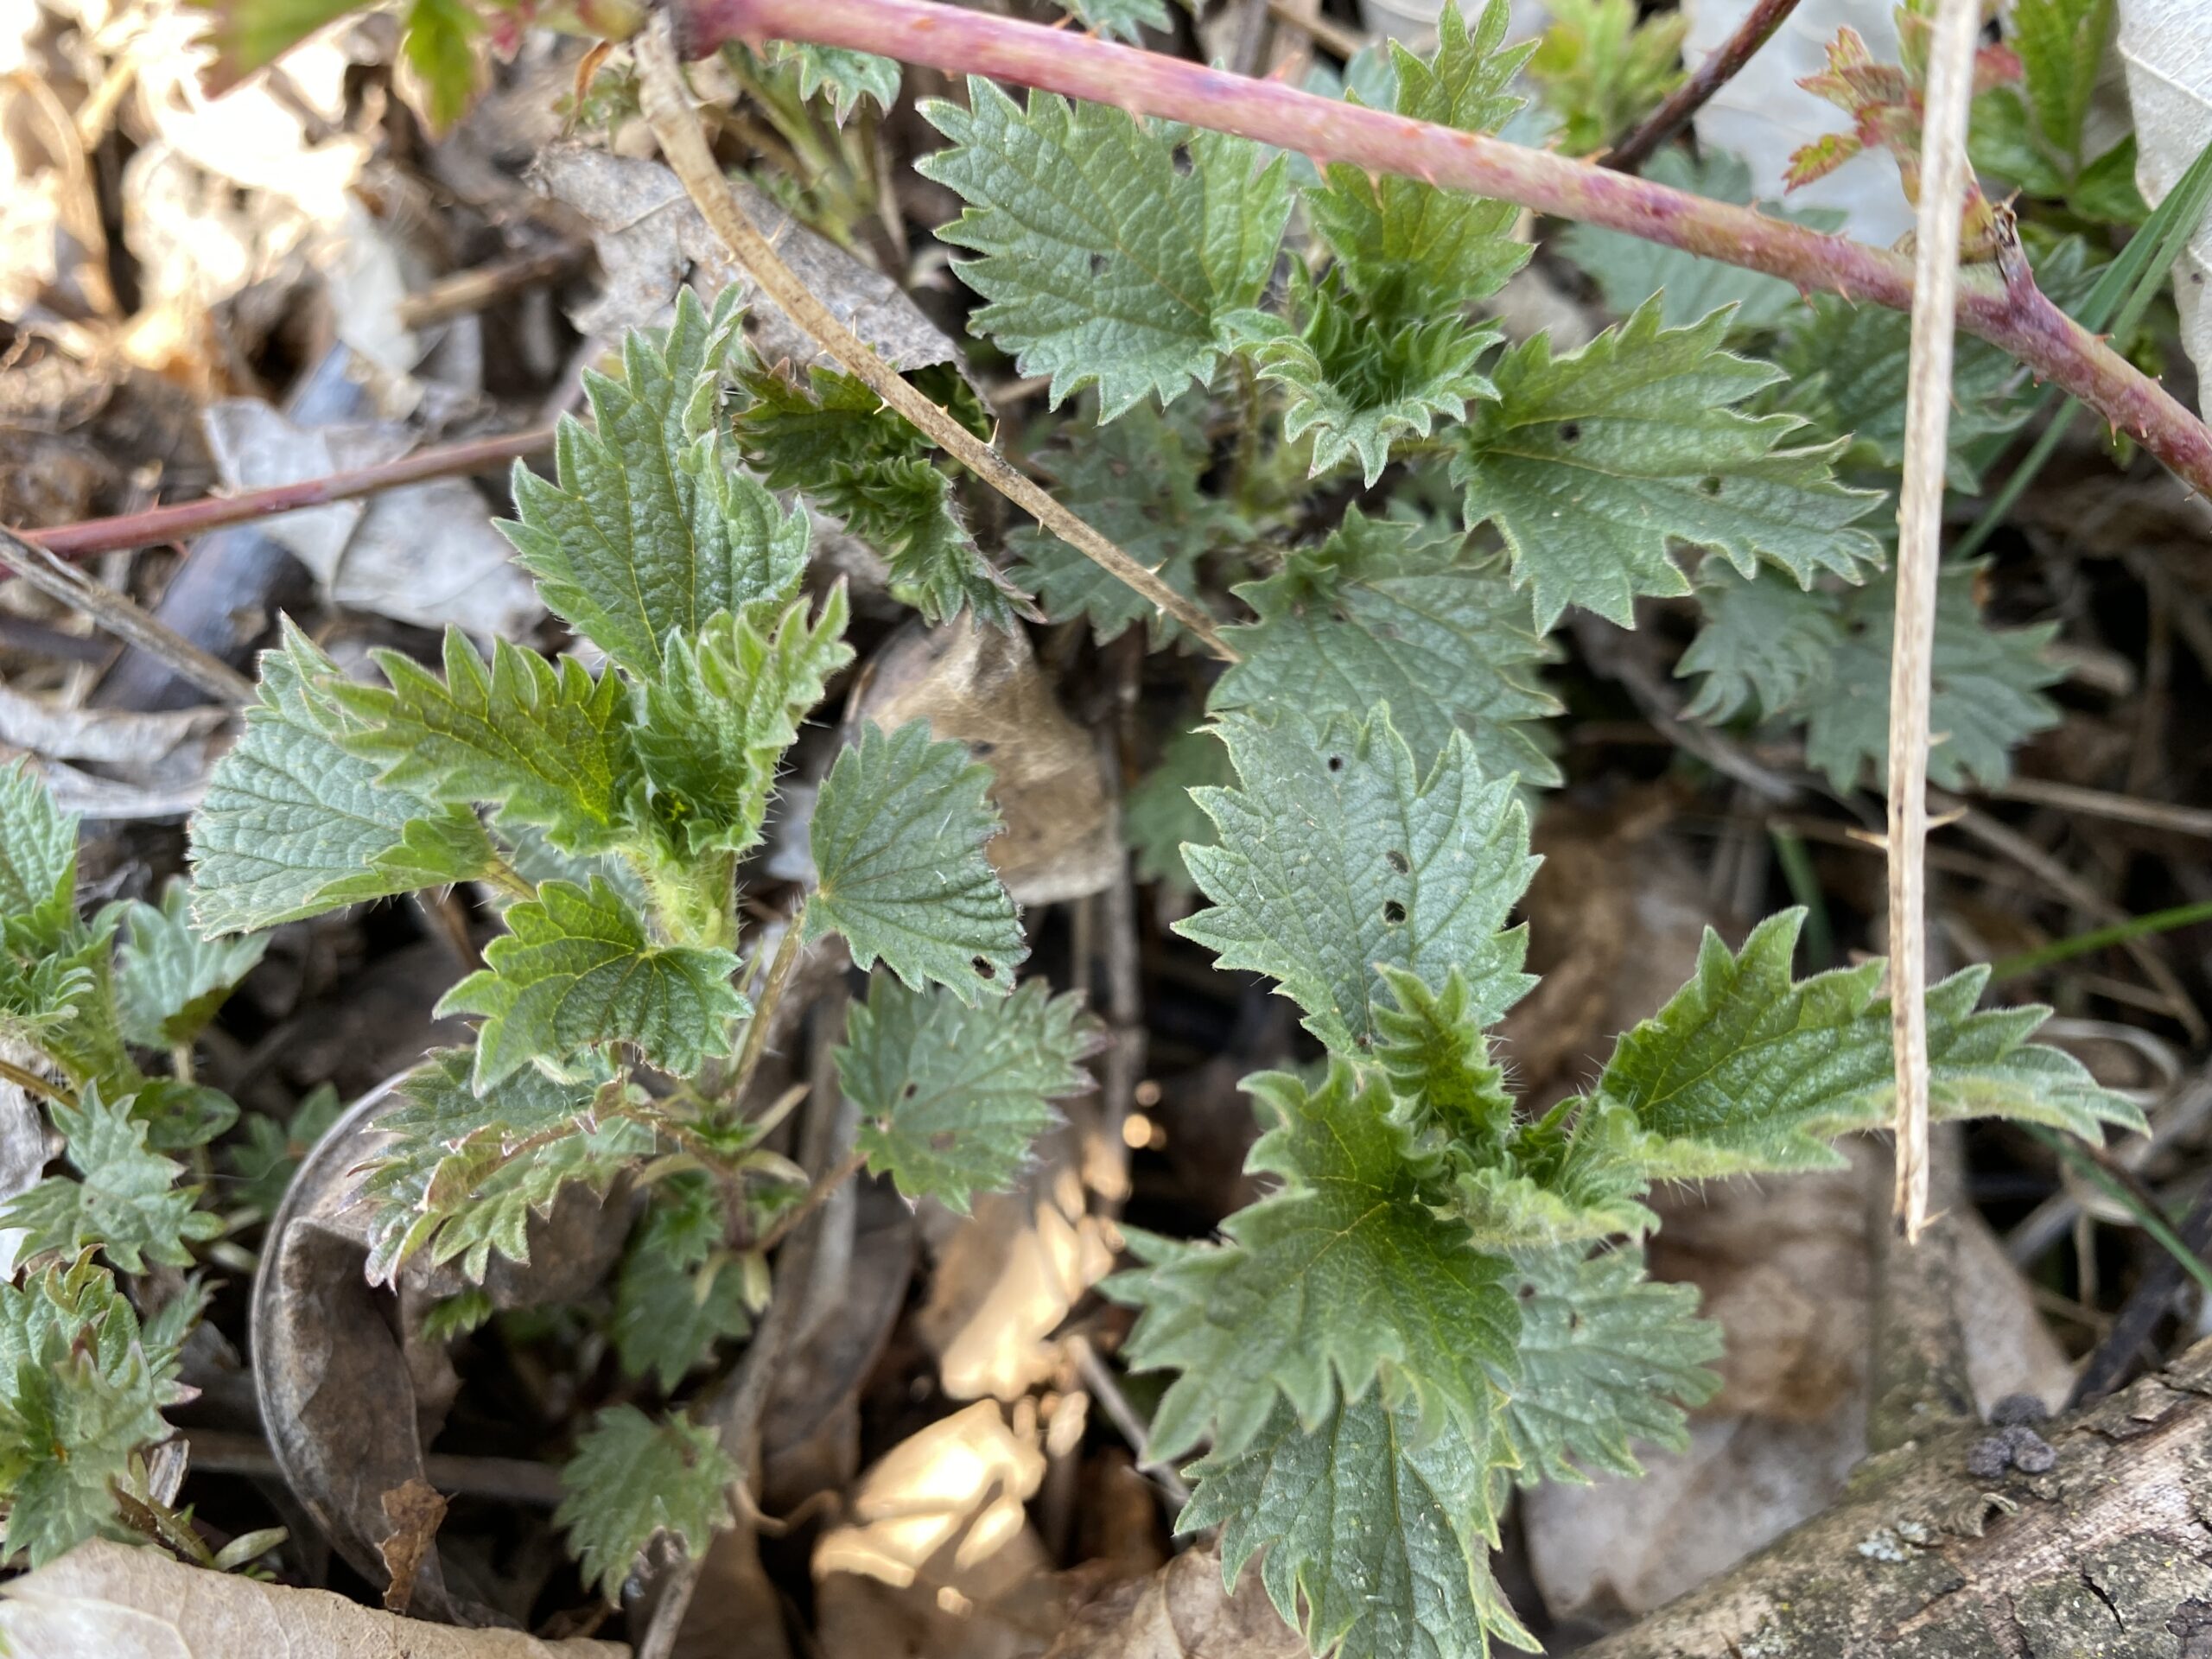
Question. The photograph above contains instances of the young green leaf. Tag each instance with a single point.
(1345, 1277)
(898, 841)
(632, 1479)
(1378, 1536)
(547, 743)
(1410, 250)
(649, 531)
(1337, 859)
(1120, 19)
(1749, 1069)
(1592, 464)
(38, 863)
(1385, 611)
(951, 1095)
(439, 44)
(577, 971)
(1606, 1356)
(168, 981)
(1102, 261)
(292, 825)
(848, 77)
(1763, 642)
(247, 34)
(1432, 1045)
(676, 1295)
(1603, 67)
(269, 1156)
(724, 706)
(125, 1200)
(1161, 814)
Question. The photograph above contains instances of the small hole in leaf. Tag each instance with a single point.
(1183, 161)
(1098, 264)
(910, 1091)
(1710, 486)
(1398, 862)
(1527, 1293)
(1336, 763)
(1570, 432)
(1393, 912)
(983, 968)
(1575, 1321)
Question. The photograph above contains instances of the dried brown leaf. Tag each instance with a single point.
(416, 1508)
(1181, 1612)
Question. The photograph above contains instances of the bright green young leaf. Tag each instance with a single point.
(440, 46)
(1592, 464)
(85, 1388)
(1102, 261)
(1378, 1536)
(1606, 1356)
(1337, 858)
(1412, 251)
(632, 1479)
(292, 825)
(38, 863)
(898, 841)
(1120, 19)
(2061, 43)
(1432, 1045)
(1135, 482)
(1630, 270)
(724, 706)
(1345, 1277)
(545, 742)
(463, 1172)
(1603, 66)
(577, 971)
(1575, 1175)
(649, 531)
(1749, 1069)
(678, 1295)
(951, 1095)
(168, 981)
(848, 77)
(1161, 814)
(126, 1198)
(1764, 643)
(1385, 611)
(247, 34)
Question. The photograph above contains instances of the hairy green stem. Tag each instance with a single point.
(764, 1006)
(2002, 306)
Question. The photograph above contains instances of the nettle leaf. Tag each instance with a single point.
(898, 842)
(1606, 1356)
(856, 458)
(1603, 66)
(1412, 251)
(1378, 1536)
(1591, 465)
(168, 981)
(1432, 1046)
(85, 1388)
(1986, 697)
(1161, 814)
(125, 1199)
(38, 862)
(1749, 1069)
(1762, 642)
(648, 531)
(847, 76)
(462, 1173)
(439, 44)
(1388, 612)
(1119, 19)
(724, 706)
(1577, 1174)
(577, 971)
(247, 34)
(1357, 384)
(678, 1293)
(545, 742)
(266, 1161)
(950, 1095)
(1346, 1276)
(292, 825)
(1135, 482)
(1337, 858)
(632, 1479)
(1630, 270)
(1102, 261)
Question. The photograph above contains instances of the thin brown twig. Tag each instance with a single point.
(2105, 804)
(30, 1081)
(123, 618)
(668, 110)
(1708, 78)
(764, 1009)
(1920, 536)
(475, 290)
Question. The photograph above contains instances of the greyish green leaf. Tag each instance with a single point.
(632, 1479)
(578, 971)
(1385, 611)
(1593, 464)
(1337, 858)
(649, 531)
(1161, 814)
(1345, 1277)
(1120, 19)
(168, 981)
(898, 841)
(1102, 261)
(125, 1199)
(848, 77)
(1764, 643)
(951, 1095)
(678, 1293)
(38, 862)
(292, 825)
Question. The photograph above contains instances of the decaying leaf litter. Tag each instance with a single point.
(912, 1416)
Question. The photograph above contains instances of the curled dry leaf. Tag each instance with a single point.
(416, 1509)
(125, 1602)
(2168, 54)
(1181, 1612)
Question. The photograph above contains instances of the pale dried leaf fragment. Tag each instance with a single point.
(125, 1603)
(1181, 1612)
(2167, 52)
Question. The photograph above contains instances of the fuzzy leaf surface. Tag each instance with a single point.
(631, 1480)
(1431, 1044)
(1103, 262)
(1345, 1277)
(847, 76)
(578, 971)
(647, 531)
(168, 981)
(38, 862)
(898, 841)
(1592, 464)
(951, 1095)
(1338, 857)
(126, 1198)
(292, 825)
